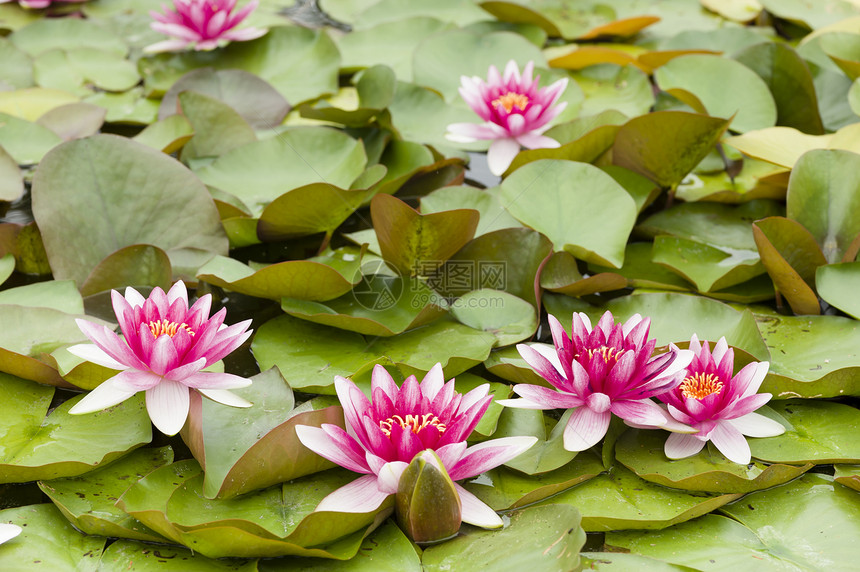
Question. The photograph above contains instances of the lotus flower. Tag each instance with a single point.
(164, 346)
(203, 24)
(515, 112)
(599, 372)
(383, 436)
(718, 405)
(9, 531)
(34, 4)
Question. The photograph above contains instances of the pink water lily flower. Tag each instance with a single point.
(598, 372)
(203, 24)
(718, 405)
(35, 4)
(383, 435)
(515, 112)
(8, 531)
(163, 348)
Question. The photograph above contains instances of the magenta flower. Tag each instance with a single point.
(34, 4)
(599, 372)
(720, 407)
(203, 24)
(384, 435)
(163, 347)
(515, 112)
(8, 531)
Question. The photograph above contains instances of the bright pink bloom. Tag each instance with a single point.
(384, 435)
(720, 407)
(203, 24)
(163, 347)
(41, 3)
(515, 111)
(598, 372)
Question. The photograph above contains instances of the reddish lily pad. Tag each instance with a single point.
(245, 449)
(217, 127)
(74, 120)
(88, 500)
(641, 451)
(321, 278)
(136, 265)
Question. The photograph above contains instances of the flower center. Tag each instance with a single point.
(701, 385)
(413, 422)
(168, 328)
(510, 100)
(608, 354)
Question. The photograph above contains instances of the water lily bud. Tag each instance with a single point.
(428, 506)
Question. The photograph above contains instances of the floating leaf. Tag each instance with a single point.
(74, 120)
(167, 135)
(487, 203)
(86, 184)
(508, 318)
(217, 127)
(707, 267)
(562, 275)
(244, 449)
(642, 452)
(128, 554)
(627, 90)
(25, 142)
(11, 180)
(579, 207)
(548, 454)
(836, 283)
(136, 265)
(640, 271)
(88, 500)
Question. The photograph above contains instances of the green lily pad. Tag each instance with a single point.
(546, 537)
(642, 452)
(88, 500)
(487, 203)
(438, 61)
(244, 449)
(33, 102)
(509, 365)
(51, 33)
(130, 107)
(848, 475)
(306, 210)
(254, 99)
(504, 488)
(323, 277)
(666, 145)
(25, 142)
(508, 318)
(273, 522)
(79, 69)
(74, 120)
(707, 267)
(625, 89)
(7, 267)
(461, 13)
(816, 432)
(63, 445)
(84, 184)
(822, 200)
(388, 43)
(310, 355)
(167, 135)
(811, 356)
(421, 115)
(417, 244)
(621, 500)
(310, 71)
(11, 179)
(259, 172)
(790, 255)
(60, 295)
(47, 542)
(578, 206)
(641, 272)
(379, 305)
(18, 66)
(136, 265)
(128, 554)
(834, 283)
(585, 149)
(359, 106)
(790, 83)
(548, 454)
(620, 562)
(217, 127)
(726, 88)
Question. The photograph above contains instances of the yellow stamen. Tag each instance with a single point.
(413, 422)
(510, 100)
(168, 328)
(608, 354)
(701, 385)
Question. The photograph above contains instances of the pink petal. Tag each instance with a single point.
(225, 397)
(187, 370)
(354, 402)
(532, 140)
(111, 344)
(380, 378)
(475, 512)
(332, 443)
(163, 356)
(643, 412)
(731, 443)
(749, 379)
(214, 380)
(93, 353)
(167, 404)
(388, 477)
(361, 495)
(757, 425)
(585, 428)
(451, 454)
(433, 382)
(680, 446)
(244, 34)
(134, 298)
(547, 398)
(178, 292)
(543, 366)
(488, 455)
(135, 380)
(501, 154)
